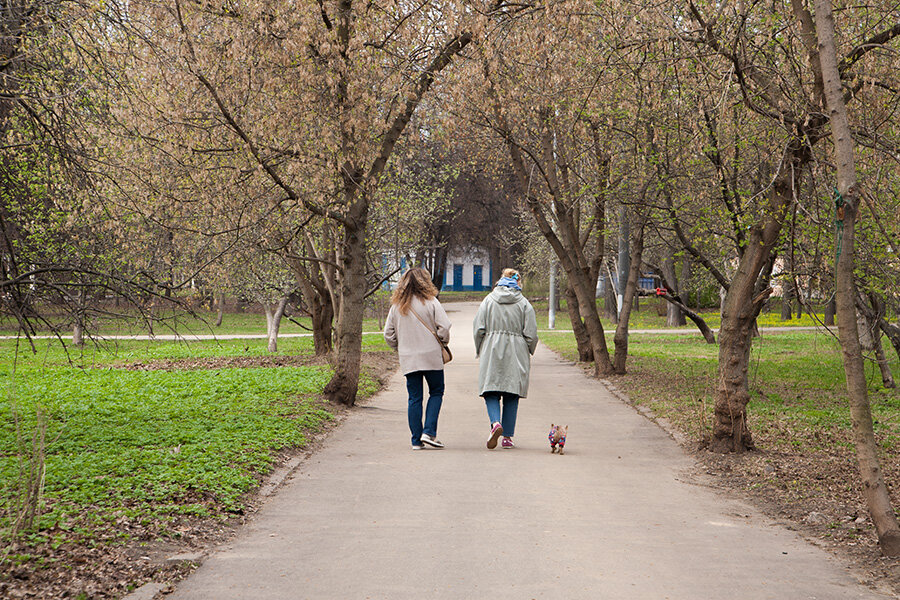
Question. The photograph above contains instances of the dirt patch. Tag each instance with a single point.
(128, 554)
(226, 362)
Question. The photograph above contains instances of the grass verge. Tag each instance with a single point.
(145, 443)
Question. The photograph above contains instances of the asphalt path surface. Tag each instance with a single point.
(622, 515)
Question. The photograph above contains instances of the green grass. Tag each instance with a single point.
(647, 317)
(152, 446)
(202, 322)
(796, 379)
(463, 296)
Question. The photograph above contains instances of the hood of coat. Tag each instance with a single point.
(506, 295)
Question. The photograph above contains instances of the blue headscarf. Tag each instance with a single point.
(510, 282)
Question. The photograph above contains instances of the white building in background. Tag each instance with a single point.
(468, 270)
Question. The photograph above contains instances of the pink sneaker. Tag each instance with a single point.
(507, 443)
(496, 432)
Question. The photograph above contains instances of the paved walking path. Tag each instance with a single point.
(615, 518)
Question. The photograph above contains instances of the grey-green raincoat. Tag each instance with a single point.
(505, 333)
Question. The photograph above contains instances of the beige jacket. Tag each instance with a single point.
(415, 344)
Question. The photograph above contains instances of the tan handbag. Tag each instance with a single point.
(446, 355)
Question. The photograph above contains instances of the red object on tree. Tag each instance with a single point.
(660, 291)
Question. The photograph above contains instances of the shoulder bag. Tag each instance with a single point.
(446, 355)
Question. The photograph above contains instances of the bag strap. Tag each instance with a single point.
(422, 321)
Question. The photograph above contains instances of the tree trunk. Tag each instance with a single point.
(675, 299)
(587, 309)
(274, 315)
(78, 328)
(634, 272)
(871, 312)
(830, 309)
(610, 310)
(743, 303)
(220, 304)
(439, 269)
(874, 489)
(344, 383)
(624, 262)
(787, 299)
(739, 312)
(582, 339)
(707, 333)
(323, 327)
(887, 378)
(893, 333)
(317, 299)
(674, 316)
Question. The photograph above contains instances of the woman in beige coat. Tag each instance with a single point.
(414, 319)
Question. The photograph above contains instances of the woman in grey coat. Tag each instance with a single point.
(505, 332)
(414, 320)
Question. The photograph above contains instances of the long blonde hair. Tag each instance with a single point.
(414, 283)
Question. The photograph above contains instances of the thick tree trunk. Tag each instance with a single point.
(582, 339)
(874, 489)
(587, 309)
(344, 383)
(634, 272)
(739, 312)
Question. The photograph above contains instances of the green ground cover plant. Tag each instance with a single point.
(148, 433)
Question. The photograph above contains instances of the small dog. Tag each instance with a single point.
(557, 438)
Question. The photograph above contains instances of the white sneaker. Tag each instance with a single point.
(419, 447)
(431, 441)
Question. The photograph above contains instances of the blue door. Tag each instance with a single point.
(457, 278)
(477, 278)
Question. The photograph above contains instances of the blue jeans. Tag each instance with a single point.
(510, 409)
(414, 386)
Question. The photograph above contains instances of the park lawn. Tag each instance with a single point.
(202, 322)
(647, 317)
(796, 380)
(130, 452)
